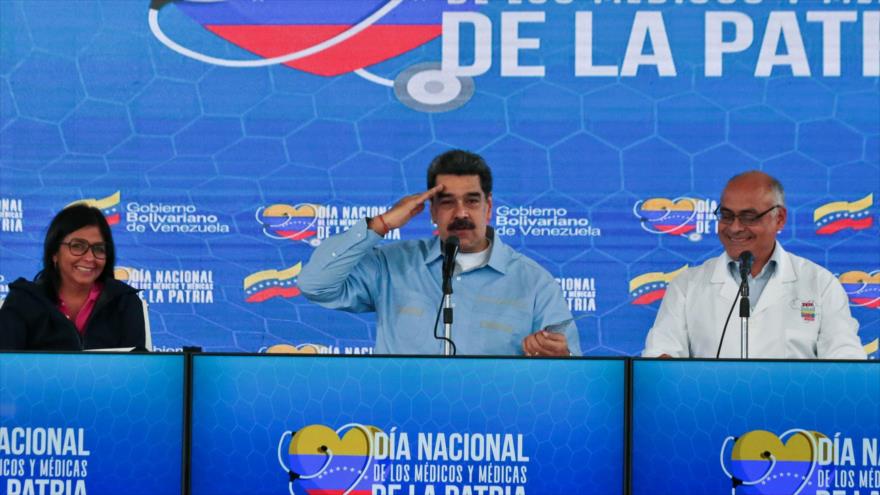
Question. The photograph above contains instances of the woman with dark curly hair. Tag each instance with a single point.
(75, 302)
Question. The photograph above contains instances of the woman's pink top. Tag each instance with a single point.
(86, 309)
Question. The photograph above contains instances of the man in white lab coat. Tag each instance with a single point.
(799, 310)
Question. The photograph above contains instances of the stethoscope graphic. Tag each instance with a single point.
(285, 221)
(860, 290)
(424, 87)
(645, 222)
(772, 458)
(329, 453)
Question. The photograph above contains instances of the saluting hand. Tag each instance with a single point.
(402, 211)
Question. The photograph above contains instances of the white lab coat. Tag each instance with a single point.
(782, 325)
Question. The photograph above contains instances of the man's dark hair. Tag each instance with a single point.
(460, 162)
(69, 220)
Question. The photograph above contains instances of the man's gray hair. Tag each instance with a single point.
(772, 182)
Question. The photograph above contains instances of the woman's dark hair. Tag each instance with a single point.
(69, 220)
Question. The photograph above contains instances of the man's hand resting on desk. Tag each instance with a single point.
(545, 343)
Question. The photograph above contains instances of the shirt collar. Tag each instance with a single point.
(95, 291)
(94, 294)
(767, 271)
(498, 259)
(501, 254)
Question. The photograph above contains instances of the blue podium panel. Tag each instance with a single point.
(761, 427)
(406, 425)
(91, 424)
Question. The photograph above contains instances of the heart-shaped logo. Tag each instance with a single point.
(310, 37)
(120, 273)
(281, 221)
(862, 288)
(764, 465)
(665, 216)
(323, 463)
(294, 349)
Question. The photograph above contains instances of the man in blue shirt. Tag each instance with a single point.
(505, 303)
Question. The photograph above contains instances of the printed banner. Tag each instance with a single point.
(225, 140)
(91, 424)
(763, 428)
(407, 426)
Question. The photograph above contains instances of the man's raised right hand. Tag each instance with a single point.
(403, 211)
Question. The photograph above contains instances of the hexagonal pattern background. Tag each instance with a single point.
(569, 412)
(117, 410)
(677, 441)
(93, 104)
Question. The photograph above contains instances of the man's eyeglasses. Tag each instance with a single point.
(78, 247)
(748, 217)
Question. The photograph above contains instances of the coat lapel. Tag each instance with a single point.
(722, 281)
(780, 284)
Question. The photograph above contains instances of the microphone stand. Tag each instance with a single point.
(447, 315)
(446, 309)
(744, 313)
(450, 250)
(745, 266)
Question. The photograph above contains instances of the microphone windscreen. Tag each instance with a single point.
(745, 263)
(452, 242)
(450, 249)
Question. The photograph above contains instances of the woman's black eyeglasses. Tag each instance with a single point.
(78, 247)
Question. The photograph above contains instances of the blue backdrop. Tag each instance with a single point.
(683, 412)
(119, 419)
(566, 418)
(611, 129)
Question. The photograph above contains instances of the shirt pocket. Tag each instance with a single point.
(411, 321)
(501, 332)
(500, 317)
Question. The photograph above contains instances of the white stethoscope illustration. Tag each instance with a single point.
(329, 453)
(644, 221)
(284, 222)
(862, 289)
(424, 87)
(772, 458)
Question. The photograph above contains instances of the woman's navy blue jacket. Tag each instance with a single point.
(30, 320)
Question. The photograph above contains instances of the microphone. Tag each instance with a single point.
(745, 264)
(746, 258)
(450, 250)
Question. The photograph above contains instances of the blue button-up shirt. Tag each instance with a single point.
(496, 305)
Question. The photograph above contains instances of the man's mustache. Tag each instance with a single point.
(461, 224)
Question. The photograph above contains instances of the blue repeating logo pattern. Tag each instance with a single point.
(611, 129)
